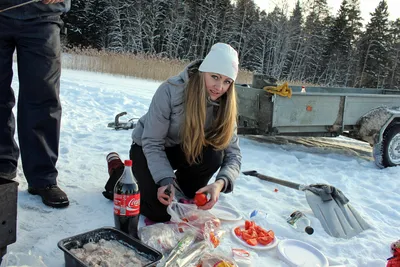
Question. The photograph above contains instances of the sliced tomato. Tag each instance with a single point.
(214, 240)
(238, 231)
(248, 224)
(264, 240)
(246, 236)
(271, 234)
(252, 232)
(252, 242)
(261, 234)
(258, 229)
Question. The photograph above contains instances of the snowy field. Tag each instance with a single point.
(91, 100)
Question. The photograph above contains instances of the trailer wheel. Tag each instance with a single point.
(391, 146)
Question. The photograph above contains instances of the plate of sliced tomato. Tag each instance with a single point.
(254, 236)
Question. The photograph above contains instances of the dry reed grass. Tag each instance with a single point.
(141, 66)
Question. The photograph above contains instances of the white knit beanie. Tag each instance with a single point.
(221, 59)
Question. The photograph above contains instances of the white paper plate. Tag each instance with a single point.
(258, 246)
(225, 213)
(297, 253)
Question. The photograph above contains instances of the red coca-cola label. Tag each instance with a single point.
(127, 205)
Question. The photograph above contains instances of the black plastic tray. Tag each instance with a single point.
(107, 233)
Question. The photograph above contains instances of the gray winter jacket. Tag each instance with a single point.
(33, 10)
(159, 128)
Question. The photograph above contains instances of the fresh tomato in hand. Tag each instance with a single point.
(200, 199)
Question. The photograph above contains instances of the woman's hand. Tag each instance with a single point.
(162, 195)
(213, 190)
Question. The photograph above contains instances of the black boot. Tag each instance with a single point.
(51, 195)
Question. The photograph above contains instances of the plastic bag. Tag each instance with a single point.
(213, 233)
(242, 257)
(202, 221)
(180, 249)
(160, 236)
(191, 215)
(216, 260)
(192, 254)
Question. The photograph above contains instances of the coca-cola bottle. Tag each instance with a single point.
(127, 202)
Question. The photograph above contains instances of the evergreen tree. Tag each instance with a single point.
(316, 48)
(247, 14)
(97, 27)
(374, 48)
(339, 49)
(295, 29)
(76, 22)
(155, 13)
(315, 38)
(394, 55)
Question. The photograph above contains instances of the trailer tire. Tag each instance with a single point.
(391, 146)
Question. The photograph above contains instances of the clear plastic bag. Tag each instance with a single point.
(242, 257)
(160, 236)
(203, 222)
(216, 260)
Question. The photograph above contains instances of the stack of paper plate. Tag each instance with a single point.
(297, 253)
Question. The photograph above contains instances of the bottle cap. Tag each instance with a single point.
(128, 163)
(309, 230)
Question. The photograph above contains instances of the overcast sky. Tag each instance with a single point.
(367, 6)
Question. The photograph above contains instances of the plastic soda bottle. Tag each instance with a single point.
(300, 222)
(127, 202)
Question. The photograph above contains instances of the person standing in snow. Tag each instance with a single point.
(33, 30)
(190, 128)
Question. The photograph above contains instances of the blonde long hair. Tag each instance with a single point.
(193, 135)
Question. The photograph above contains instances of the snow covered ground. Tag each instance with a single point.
(91, 100)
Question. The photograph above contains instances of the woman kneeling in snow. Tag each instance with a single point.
(190, 128)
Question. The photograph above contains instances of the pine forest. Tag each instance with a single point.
(306, 44)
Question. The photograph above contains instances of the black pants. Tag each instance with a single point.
(189, 177)
(37, 43)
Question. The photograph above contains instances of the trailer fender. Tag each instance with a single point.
(380, 127)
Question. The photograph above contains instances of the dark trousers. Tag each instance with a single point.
(37, 43)
(190, 178)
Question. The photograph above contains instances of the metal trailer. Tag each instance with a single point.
(370, 115)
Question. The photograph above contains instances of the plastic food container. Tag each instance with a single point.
(107, 233)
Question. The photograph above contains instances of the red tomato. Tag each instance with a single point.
(271, 234)
(214, 240)
(200, 199)
(238, 231)
(248, 224)
(246, 236)
(252, 242)
(265, 240)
